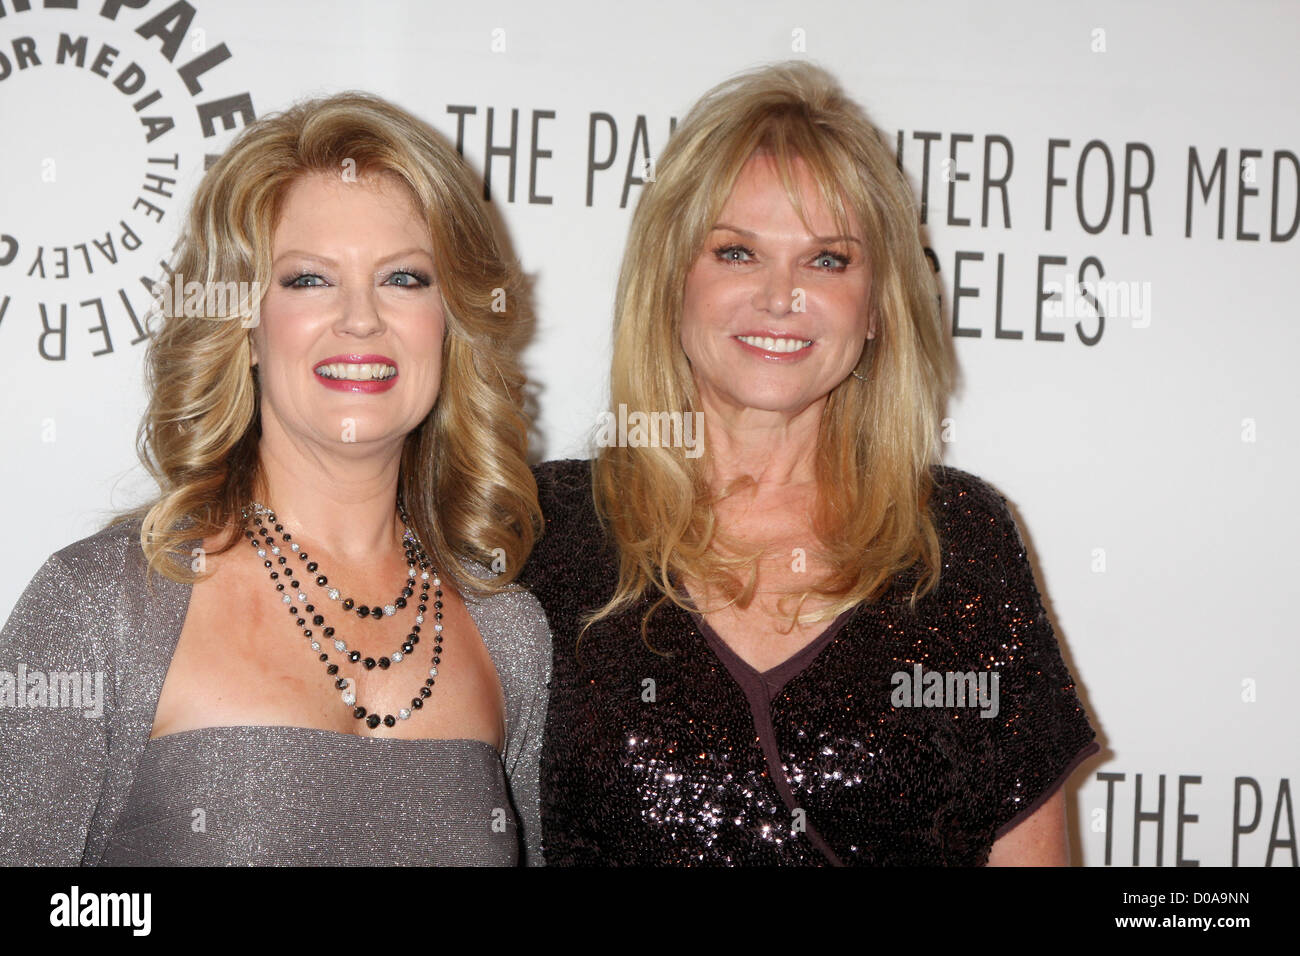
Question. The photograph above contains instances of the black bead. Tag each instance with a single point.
(312, 566)
(372, 721)
(329, 632)
(354, 656)
(347, 604)
(425, 692)
(436, 660)
(400, 602)
(407, 647)
(332, 669)
(359, 713)
(302, 621)
(322, 580)
(323, 658)
(341, 683)
(370, 663)
(384, 662)
(417, 702)
(428, 682)
(318, 620)
(390, 720)
(295, 584)
(376, 612)
(363, 611)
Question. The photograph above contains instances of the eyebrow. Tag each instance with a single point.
(753, 235)
(414, 250)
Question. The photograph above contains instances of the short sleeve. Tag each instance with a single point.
(54, 681)
(1041, 732)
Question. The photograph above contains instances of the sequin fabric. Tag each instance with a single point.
(67, 779)
(688, 756)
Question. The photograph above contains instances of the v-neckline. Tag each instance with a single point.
(775, 678)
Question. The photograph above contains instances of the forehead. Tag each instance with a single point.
(375, 203)
(760, 197)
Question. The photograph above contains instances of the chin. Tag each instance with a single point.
(780, 400)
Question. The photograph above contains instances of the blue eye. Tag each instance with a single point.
(733, 253)
(295, 281)
(414, 278)
(831, 260)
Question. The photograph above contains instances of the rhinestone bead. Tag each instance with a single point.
(340, 646)
(389, 610)
(334, 594)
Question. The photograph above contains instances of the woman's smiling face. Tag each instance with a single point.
(349, 346)
(775, 312)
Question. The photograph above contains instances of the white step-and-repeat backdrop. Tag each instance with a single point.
(1147, 441)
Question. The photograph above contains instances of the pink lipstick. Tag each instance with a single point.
(357, 373)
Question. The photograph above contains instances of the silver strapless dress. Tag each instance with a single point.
(300, 796)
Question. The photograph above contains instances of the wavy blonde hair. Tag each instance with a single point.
(463, 476)
(877, 438)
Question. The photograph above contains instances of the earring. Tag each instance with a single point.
(860, 378)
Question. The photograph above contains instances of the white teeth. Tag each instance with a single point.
(769, 344)
(367, 372)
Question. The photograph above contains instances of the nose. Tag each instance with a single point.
(360, 311)
(775, 292)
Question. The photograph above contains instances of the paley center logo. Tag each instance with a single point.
(110, 111)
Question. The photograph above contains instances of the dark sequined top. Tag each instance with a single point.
(690, 756)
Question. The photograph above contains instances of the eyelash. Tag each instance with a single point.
(721, 251)
(419, 275)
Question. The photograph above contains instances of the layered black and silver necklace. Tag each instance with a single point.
(419, 569)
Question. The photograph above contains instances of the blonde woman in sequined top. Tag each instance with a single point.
(750, 625)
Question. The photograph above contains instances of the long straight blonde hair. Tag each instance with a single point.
(877, 438)
(463, 477)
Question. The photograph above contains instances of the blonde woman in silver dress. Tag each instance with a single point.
(311, 649)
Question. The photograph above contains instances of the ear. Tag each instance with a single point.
(252, 350)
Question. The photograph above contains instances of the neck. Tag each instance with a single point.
(342, 504)
(776, 449)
